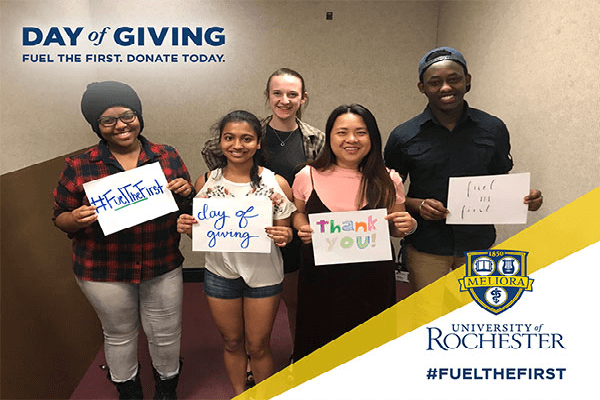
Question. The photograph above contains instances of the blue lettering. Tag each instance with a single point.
(127, 36)
(157, 39)
(129, 39)
(33, 36)
(99, 203)
(141, 38)
(140, 193)
(27, 40)
(175, 36)
(155, 190)
(220, 216)
(121, 200)
(245, 236)
(54, 36)
(214, 40)
(213, 241)
(151, 191)
(243, 222)
(246, 242)
(73, 35)
(435, 339)
(125, 192)
(186, 34)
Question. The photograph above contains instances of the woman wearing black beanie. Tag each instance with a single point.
(134, 274)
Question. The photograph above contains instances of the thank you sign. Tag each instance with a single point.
(353, 236)
(129, 198)
(232, 224)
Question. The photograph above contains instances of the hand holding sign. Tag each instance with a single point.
(185, 222)
(433, 210)
(281, 235)
(83, 217)
(401, 223)
(180, 186)
(534, 200)
(305, 234)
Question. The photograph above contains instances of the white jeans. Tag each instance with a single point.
(120, 306)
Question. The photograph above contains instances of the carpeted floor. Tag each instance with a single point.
(204, 376)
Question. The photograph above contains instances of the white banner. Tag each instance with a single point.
(542, 348)
(353, 236)
(129, 198)
(232, 224)
(488, 199)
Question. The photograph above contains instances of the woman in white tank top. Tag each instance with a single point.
(244, 289)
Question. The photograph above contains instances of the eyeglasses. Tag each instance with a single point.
(127, 117)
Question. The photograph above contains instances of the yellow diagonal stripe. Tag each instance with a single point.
(566, 231)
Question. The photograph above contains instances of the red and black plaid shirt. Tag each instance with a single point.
(132, 255)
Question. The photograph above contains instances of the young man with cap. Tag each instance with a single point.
(134, 274)
(448, 139)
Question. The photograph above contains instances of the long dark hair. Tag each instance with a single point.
(376, 186)
(253, 121)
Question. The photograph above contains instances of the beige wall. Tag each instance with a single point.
(357, 57)
(536, 65)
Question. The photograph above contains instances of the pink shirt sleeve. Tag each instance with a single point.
(302, 186)
(397, 179)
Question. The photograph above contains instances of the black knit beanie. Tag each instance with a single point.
(100, 96)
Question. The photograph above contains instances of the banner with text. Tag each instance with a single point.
(129, 198)
(489, 199)
(232, 224)
(353, 236)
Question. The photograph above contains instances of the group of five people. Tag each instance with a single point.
(136, 274)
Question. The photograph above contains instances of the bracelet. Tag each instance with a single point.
(412, 230)
(421, 205)
(191, 195)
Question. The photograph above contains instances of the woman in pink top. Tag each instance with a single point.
(349, 175)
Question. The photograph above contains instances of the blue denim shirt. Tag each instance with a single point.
(429, 154)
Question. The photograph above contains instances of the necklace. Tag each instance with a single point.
(282, 142)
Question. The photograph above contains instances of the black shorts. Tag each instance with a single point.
(291, 254)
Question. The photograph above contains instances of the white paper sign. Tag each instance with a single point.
(353, 236)
(489, 199)
(232, 224)
(129, 198)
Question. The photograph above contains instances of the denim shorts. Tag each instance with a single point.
(227, 289)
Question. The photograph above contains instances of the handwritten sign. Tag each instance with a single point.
(353, 236)
(489, 199)
(129, 198)
(232, 225)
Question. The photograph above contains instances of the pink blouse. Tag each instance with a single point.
(338, 188)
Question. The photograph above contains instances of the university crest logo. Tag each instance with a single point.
(496, 279)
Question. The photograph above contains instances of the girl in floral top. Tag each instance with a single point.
(244, 289)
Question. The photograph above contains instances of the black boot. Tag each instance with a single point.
(128, 390)
(165, 389)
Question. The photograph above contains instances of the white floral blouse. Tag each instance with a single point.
(257, 269)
